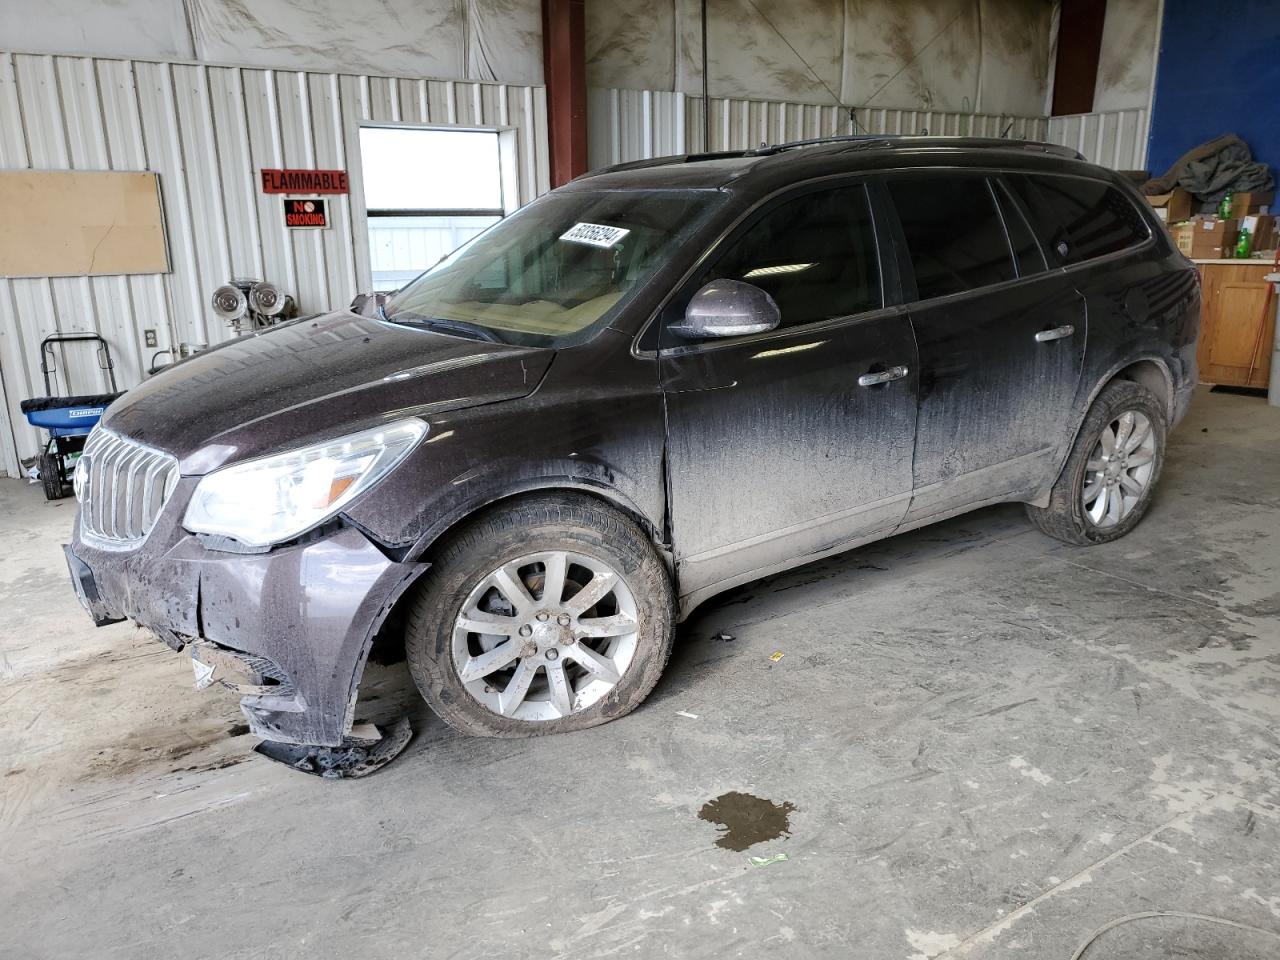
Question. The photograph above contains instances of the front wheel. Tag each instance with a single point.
(551, 614)
(1111, 473)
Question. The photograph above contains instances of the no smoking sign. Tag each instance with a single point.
(302, 214)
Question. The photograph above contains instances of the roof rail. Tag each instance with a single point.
(867, 141)
(899, 140)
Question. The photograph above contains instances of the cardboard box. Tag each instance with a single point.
(1251, 202)
(1266, 238)
(1262, 232)
(1173, 206)
(1206, 238)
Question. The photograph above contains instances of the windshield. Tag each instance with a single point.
(554, 270)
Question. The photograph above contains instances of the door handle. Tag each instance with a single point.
(1057, 333)
(884, 376)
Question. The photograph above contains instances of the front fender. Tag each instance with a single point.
(596, 424)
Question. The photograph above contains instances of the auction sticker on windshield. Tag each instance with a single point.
(594, 234)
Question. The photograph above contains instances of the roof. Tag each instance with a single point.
(806, 158)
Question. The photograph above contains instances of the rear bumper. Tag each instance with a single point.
(289, 630)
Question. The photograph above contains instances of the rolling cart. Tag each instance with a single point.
(68, 419)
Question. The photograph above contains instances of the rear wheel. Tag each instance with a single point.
(1110, 476)
(51, 476)
(553, 613)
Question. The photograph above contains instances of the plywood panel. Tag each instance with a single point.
(64, 223)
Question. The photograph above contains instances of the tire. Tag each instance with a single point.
(51, 477)
(1067, 517)
(521, 537)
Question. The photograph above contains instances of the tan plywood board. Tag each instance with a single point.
(74, 223)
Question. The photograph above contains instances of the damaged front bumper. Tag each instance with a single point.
(289, 630)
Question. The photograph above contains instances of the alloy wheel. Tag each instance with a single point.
(545, 635)
(1118, 474)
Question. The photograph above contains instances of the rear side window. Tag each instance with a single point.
(814, 254)
(1080, 218)
(955, 237)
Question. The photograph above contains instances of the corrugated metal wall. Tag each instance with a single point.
(638, 124)
(1115, 138)
(207, 130)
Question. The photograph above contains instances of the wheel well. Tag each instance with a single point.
(1154, 377)
(617, 503)
(388, 645)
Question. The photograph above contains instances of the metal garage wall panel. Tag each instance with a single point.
(298, 150)
(941, 123)
(1113, 138)
(330, 150)
(239, 193)
(262, 115)
(638, 124)
(207, 130)
(635, 125)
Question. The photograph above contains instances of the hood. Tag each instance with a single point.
(313, 379)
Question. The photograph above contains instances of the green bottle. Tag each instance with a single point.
(1224, 208)
(1242, 245)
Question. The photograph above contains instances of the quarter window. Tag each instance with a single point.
(1081, 218)
(955, 238)
(815, 255)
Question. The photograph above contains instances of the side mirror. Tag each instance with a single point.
(728, 308)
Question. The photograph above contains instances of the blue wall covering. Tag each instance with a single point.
(1218, 72)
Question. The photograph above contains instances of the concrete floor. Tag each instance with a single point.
(995, 744)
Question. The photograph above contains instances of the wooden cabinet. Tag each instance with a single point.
(1237, 324)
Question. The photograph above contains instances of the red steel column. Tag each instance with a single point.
(564, 64)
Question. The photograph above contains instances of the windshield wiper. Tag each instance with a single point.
(461, 327)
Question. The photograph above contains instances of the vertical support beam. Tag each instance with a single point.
(564, 63)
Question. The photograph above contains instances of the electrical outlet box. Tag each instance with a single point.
(149, 336)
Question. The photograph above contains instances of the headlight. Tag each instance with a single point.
(266, 501)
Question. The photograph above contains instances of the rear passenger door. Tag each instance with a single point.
(1000, 339)
(1094, 232)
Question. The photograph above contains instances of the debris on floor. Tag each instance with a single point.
(687, 714)
(765, 861)
(776, 656)
(746, 819)
(368, 749)
(724, 637)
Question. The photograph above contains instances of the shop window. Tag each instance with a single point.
(427, 192)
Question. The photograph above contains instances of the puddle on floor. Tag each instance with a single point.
(746, 820)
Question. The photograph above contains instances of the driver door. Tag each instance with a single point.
(798, 442)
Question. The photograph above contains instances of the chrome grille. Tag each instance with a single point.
(123, 488)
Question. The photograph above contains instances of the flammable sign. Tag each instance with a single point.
(305, 213)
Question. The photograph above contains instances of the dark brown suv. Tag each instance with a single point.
(646, 387)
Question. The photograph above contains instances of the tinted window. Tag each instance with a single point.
(1026, 252)
(1081, 218)
(815, 255)
(955, 237)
